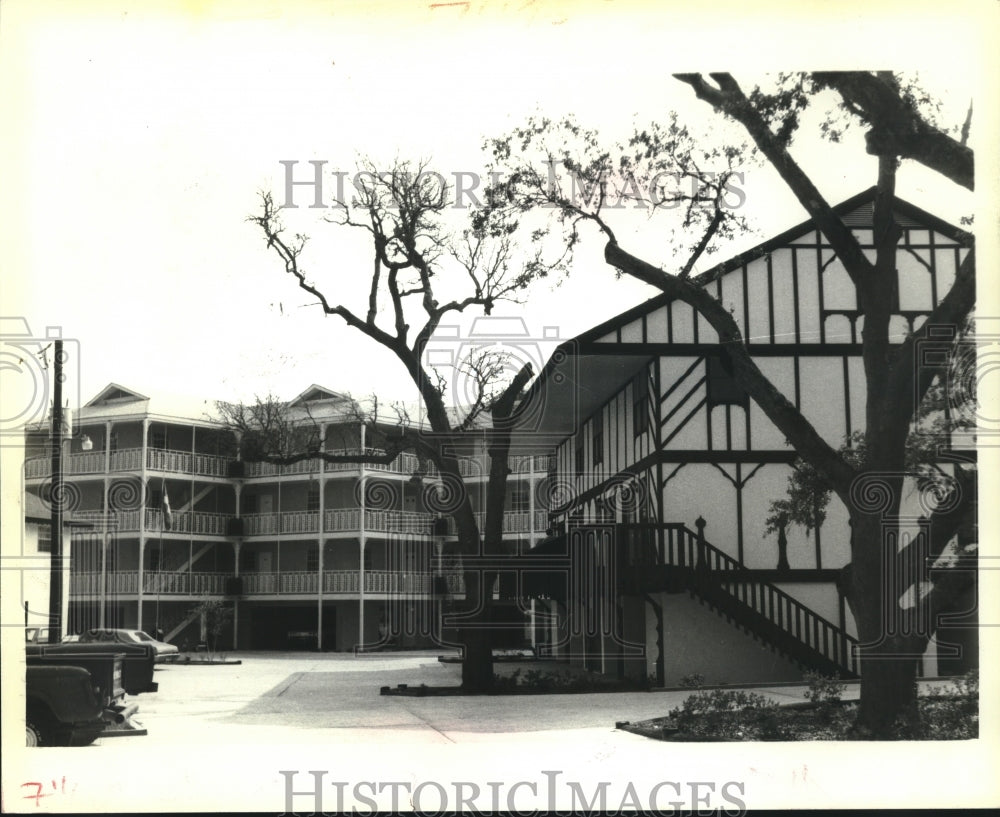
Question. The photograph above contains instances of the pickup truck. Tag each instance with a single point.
(137, 660)
(70, 705)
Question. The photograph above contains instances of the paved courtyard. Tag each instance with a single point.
(332, 697)
(322, 697)
(248, 737)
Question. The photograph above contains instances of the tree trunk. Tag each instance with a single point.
(888, 693)
(477, 663)
(889, 645)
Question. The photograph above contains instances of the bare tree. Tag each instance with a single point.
(417, 264)
(900, 122)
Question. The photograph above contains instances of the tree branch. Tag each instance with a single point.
(799, 431)
(897, 129)
(912, 375)
(705, 239)
(729, 99)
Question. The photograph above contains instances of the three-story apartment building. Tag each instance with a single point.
(334, 556)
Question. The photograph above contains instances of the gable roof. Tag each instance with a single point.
(856, 212)
(113, 393)
(546, 409)
(315, 393)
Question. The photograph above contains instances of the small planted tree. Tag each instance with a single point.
(216, 616)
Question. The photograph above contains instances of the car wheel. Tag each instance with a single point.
(37, 732)
(41, 729)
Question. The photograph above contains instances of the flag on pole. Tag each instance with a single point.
(167, 518)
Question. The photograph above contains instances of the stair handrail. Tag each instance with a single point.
(695, 552)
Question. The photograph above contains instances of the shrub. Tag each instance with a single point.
(952, 714)
(727, 713)
(693, 681)
(825, 693)
(542, 681)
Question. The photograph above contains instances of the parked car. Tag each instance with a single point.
(40, 635)
(138, 660)
(164, 651)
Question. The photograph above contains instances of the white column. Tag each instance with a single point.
(194, 431)
(142, 520)
(236, 601)
(322, 543)
(104, 527)
(361, 539)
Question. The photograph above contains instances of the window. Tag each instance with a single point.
(154, 559)
(45, 538)
(597, 440)
(154, 498)
(312, 559)
(580, 458)
(249, 503)
(113, 441)
(640, 403)
(312, 498)
(723, 390)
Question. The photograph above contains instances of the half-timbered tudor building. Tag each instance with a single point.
(665, 470)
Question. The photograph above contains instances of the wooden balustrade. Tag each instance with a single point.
(167, 583)
(713, 570)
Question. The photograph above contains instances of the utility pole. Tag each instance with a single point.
(56, 499)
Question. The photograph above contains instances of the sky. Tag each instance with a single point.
(139, 137)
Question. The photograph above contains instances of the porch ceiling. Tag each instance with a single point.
(570, 388)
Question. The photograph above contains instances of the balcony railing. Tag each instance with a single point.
(184, 583)
(341, 519)
(399, 522)
(405, 463)
(116, 583)
(186, 462)
(87, 462)
(337, 520)
(153, 582)
(196, 523)
(290, 523)
(267, 469)
(211, 465)
(272, 524)
(335, 582)
(130, 459)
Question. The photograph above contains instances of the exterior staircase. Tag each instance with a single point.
(178, 625)
(674, 559)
